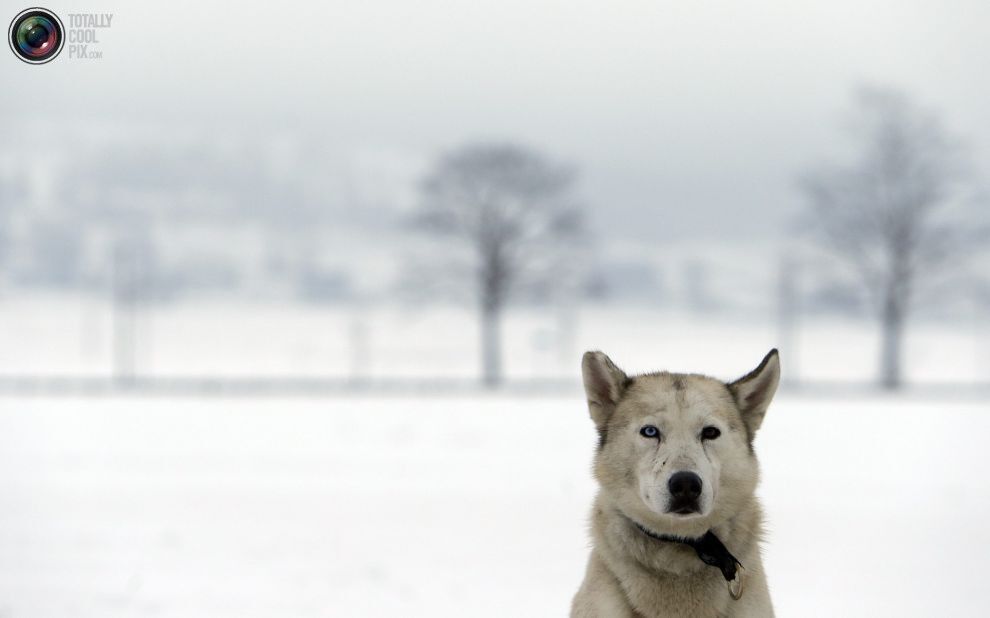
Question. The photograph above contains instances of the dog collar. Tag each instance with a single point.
(712, 552)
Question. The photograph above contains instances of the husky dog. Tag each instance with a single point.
(676, 526)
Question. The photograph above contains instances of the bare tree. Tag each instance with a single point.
(507, 209)
(889, 214)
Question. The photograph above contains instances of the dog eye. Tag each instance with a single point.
(710, 433)
(649, 431)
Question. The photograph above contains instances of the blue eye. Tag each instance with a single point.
(649, 431)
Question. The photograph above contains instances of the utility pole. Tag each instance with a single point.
(124, 297)
(788, 308)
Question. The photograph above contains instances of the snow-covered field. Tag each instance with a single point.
(459, 505)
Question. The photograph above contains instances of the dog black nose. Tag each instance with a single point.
(684, 486)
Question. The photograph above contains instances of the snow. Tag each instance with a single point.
(451, 505)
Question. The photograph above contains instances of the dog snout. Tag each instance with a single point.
(684, 486)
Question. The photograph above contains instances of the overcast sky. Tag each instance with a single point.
(688, 119)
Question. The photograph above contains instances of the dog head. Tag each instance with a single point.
(675, 450)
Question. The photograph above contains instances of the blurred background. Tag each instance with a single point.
(292, 300)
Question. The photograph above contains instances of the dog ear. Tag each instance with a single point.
(754, 391)
(604, 384)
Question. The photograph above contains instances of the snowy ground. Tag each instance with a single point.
(466, 506)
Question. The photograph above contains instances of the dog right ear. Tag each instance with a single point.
(754, 391)
(604, 384)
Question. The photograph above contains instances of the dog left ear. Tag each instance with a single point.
(604, 384)
(754, 391)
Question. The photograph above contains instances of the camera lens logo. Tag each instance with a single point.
(36, 35)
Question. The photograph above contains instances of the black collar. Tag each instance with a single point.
(709, 548)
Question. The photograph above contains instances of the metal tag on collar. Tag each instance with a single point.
(736, 583)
